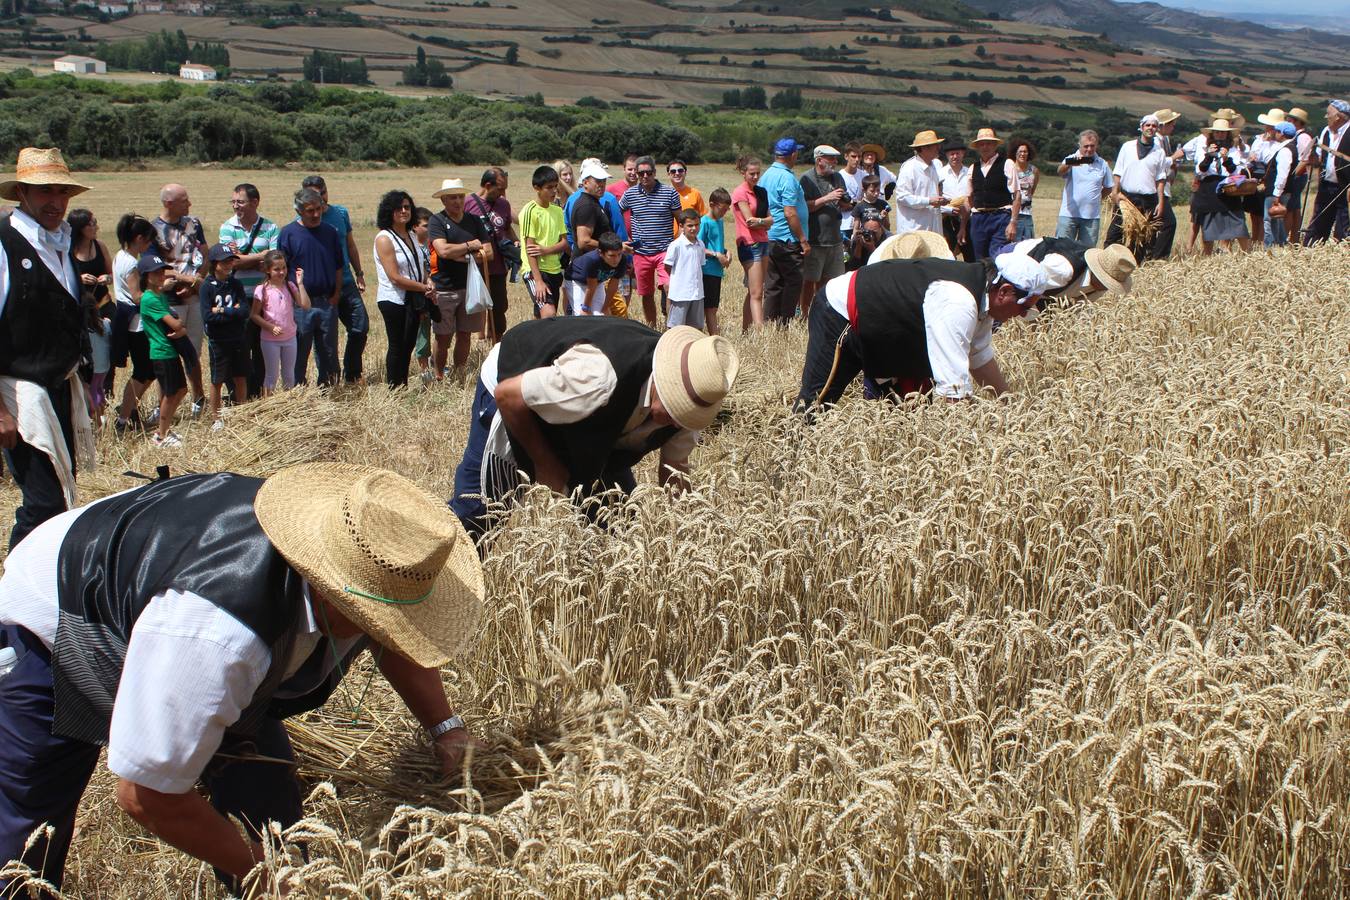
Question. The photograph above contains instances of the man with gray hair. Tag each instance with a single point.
(1087, 182)
(315, 247)
(320, 323)
(1330, 213)
(183, 245)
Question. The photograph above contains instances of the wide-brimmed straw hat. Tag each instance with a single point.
(1113, 266)
(985, 135)
(925, 139)
(392, 558)
(1297, 112)
(1271, 118)
(451, 186)
(911, 245)
(879, 150)
(39, 165)
(1218, 125)
(1166, 115)
(1229, 115)
(693, 373)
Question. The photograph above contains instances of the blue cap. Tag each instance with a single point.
(1340, 106)
(1287, 129)
(787, 146)
(151, 261)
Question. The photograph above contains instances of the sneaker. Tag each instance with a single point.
(218, 425)
(428, 377)
(153, 419)
(122, 425)
(198, 406)
(169, 440)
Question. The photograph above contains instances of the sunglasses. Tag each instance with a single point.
(642, 172)
(675, 171)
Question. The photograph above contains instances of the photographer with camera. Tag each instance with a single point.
(1087, 182)
(490, 205)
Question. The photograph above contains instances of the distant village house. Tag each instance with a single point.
(194, 72)
(114, 8)
(80, 65)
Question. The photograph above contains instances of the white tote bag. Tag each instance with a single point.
(476, 296)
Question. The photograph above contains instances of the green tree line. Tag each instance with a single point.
(163, 52)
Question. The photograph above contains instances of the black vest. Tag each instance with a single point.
(42, 325)
(195, 533)
(1273, 168)
(586, 448)
(1073, 251)
(890, 334)
(990, 191)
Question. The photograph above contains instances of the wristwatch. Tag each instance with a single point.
(445, 727)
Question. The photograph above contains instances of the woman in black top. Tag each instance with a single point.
(94, 266)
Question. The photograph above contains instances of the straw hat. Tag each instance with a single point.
(985, 135)
(40, 166)
(926, 139)
(1271, 118)
(391, 557)
(879, 150)
(693, 373)
(1218, 125)
(451, 186)
(1166, 115)
(912, 245)
(1230, 115)
(1297, 113)
(1113, 266)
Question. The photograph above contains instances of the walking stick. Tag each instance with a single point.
(490, 326)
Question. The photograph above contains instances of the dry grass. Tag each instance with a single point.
(1088, 641)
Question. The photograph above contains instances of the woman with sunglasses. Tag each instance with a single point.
(403, 282)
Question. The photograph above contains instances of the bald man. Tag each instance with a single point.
(183, 245)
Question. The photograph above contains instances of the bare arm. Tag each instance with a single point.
(585, 241)
(188, 822)
(423, 692)
(990, 375)
(358, 270)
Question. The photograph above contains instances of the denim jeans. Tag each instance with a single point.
(316, 329)
(1277, 233)
(353, 316)
(1084, 231)
(1026, 228)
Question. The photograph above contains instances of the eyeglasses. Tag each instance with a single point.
(642, 173)
(675, 171)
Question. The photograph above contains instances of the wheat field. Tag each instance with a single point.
(1087, 640)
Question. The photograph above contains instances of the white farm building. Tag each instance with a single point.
(80, 65)
(194, 72)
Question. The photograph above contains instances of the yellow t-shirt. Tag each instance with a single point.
(544, 225)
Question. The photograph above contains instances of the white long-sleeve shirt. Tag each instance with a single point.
(915, 187)
(1140, 176)
(953, 184)
(1283, 163)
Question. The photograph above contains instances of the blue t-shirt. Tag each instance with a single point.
(316, 250)
(1083, 187)
(592, 265)
(784, 190)
(712, 236)
(341, 220)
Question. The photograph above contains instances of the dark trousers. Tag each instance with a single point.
(782, 282)
(1115, 232)
(497, 290)
(951, 230)
(353, 316)
(1161, 248)
(988, 232)
(824, 328)
(43, 776)
(36, 476)
(1330, 216)
(256, 367)
(400, 324)
(472, 496)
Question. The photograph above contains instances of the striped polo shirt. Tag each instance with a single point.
(653, 216)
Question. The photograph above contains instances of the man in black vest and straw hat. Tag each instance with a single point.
(912, 321)
(576, 402)
(181, 648)
(1075, 270)
(44, 423)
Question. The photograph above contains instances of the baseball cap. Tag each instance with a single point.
(824, 150)
(1023, 273)
(594, 170)
(1286, 129)
(787, 146)
(151, 261)
(219, 252)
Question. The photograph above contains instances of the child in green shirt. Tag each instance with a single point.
(161, 328)
(545, 235)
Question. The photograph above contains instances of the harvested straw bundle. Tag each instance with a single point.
(1137, 228)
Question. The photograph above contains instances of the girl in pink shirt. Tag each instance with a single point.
(750, 207)
(274, 303)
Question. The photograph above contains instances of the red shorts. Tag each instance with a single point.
(648, 272)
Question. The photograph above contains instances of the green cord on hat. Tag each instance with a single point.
(413, 602)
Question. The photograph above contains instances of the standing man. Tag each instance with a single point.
(315, 246)
(788, 243)
(1330, 214)
(827, 202)
(575, 402)
(490, 205)
(183, 245)
(1167, 229)
(350, 308)
(41, 340)
(995, 201)
(654, 207)
(918, 188)
(250, 236)
(1087, 182)
(916, 321)
(954, 184)
(1304, 143)
(179, 623)
(852, 174)
(1139, 178)
(459, 240)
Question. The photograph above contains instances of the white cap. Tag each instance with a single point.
(824, 150)
(1058, 271)
(596, 170)
(1022, 272)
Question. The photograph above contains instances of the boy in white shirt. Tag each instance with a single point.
(684, 263)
